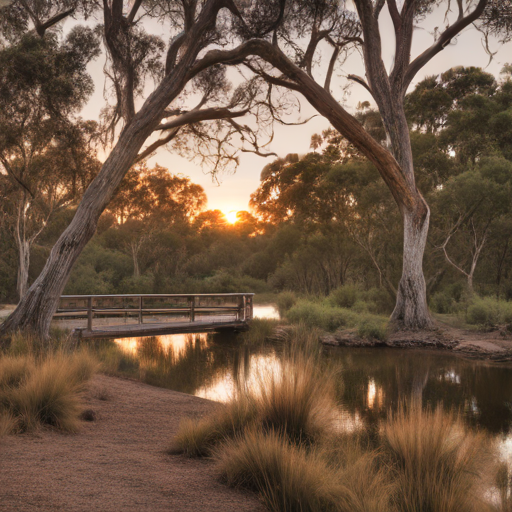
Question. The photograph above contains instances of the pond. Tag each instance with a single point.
(373, 381)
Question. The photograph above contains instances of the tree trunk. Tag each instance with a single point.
(23, 266)
(411, 309)
(37, 307)
(135, 256)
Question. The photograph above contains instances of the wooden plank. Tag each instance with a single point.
(137, 330)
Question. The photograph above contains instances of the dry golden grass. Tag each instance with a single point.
(504, 487)
(293, 478)
(198, 437)
(286, 476)
(46, 390)
(8, 424)
(437, 464)
(298, 402)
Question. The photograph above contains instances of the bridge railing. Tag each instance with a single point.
(138, 308)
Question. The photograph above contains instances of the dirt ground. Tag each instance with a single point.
(116, 463)
(495, 345)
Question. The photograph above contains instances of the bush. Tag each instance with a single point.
(442, 303)
(285, 301)
(488, 311)
(345, 296)
(314, 314)
(372, 327)
(437, 464)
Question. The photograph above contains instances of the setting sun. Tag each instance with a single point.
(232, 216)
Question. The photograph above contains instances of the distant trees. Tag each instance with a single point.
(47, 156)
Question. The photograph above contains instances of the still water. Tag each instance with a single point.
(373, 381)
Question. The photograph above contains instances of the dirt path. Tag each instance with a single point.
(116, 463)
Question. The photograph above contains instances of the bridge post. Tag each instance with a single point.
(192, 309)
(89, 314)
(140, 310)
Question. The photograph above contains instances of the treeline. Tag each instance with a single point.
(319, 221)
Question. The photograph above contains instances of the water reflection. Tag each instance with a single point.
(374, 381)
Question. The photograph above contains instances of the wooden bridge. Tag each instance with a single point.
(115, 316)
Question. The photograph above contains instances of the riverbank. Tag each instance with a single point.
(495, 345)
(117, 462)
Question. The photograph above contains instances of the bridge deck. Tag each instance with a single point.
(155, 329)
(120, 316)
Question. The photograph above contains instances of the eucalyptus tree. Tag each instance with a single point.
(288, 61)
(180, 70)
(45, 155)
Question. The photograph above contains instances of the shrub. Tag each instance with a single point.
(437, 464)
(442, 303)
(345, 296)
(488, 311)
(315, 314)
(285, 301)
(373, 328)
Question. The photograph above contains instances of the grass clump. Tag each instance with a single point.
(197, 438)
(44, 391)
(297, 402)
(261, 330)
(288, 478)
(437, 465)
(285, 301)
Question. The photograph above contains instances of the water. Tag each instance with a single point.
(373, 381)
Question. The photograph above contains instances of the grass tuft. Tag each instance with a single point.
(45, 391)
(437, 464)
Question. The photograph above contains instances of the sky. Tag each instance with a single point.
(232, 191)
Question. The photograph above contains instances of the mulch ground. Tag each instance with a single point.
(117, 462)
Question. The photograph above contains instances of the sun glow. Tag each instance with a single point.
(232, 216)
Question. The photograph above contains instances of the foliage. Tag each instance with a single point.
(488, 311)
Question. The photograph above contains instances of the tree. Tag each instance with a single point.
(46, 156)
(469, 207)
(134, 55)
(148, 202)
(329, 23)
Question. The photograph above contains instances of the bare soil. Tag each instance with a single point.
(117, 462)
(495, 345)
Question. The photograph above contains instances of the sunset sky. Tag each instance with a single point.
(234, 190)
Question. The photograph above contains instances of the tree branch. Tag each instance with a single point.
(195, 116)
(442, 42)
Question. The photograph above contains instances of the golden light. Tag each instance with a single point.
(232, 216)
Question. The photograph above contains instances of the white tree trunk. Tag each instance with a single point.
(411, 309)
(23, 266)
